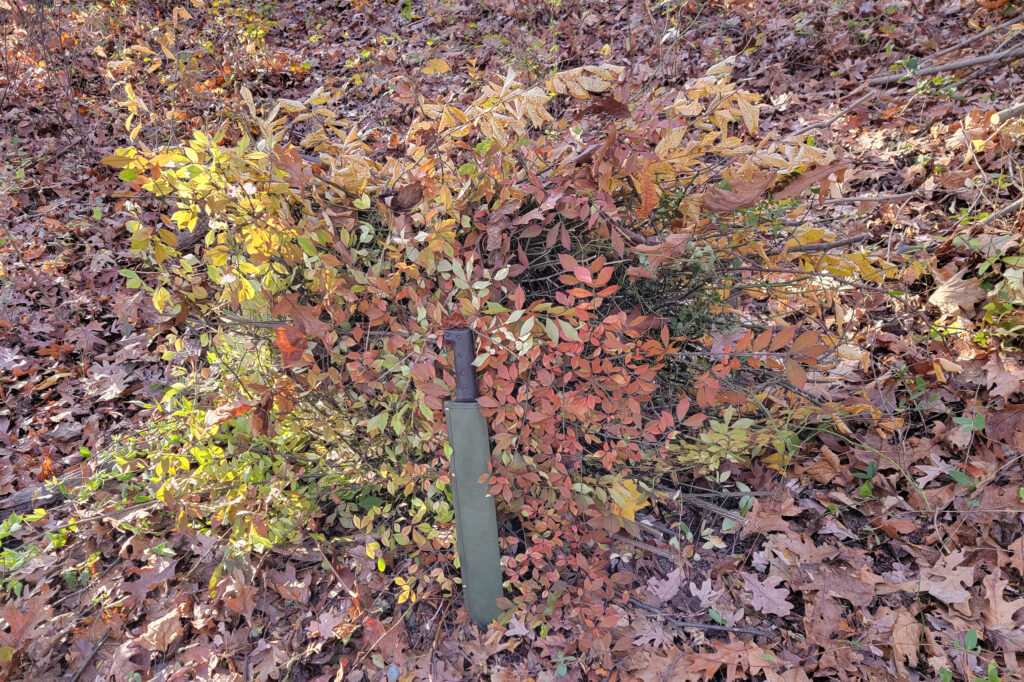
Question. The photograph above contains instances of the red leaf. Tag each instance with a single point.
(682, 407)
(696, 420)
(583, 274)
(783, 338)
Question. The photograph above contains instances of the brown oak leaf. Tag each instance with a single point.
(286, 584)
(767, 596)
(161, 632)
(957, 293)
(664, 590)
(1004, 375)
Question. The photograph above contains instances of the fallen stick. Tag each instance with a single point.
(1010, 112)
(1004, 211)
(824, 246)
(46, 494)
(973, 39)
(832, 119)
(1010, 54)
(880, 197)
(701, 626)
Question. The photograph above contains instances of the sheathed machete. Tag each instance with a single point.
(476, 523)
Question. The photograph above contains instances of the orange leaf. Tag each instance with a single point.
(291, 342)
(226, 412)
(795, 373)
(783, 338)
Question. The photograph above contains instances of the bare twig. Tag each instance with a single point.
(1003, 55)
(823, 246)
(829, 121)
(262, 324)
(701, 626)
(973, 39)
(85, 663)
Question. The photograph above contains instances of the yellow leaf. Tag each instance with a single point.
(722, 68)
(436, 66)
(750, 113)
(161, 297)
(627, 499)
(291, 106)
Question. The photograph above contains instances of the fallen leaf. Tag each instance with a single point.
(663, 590)
(1004, 375)
(286, 584)
(906, 638)
(744, 192)
(159, 570)
(767, 596)
(436, 66)
(653, 634)
(957, 293)
(161, 633)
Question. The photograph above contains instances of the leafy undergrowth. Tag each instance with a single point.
(748, 341)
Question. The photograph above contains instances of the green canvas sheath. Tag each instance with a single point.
(476, 523)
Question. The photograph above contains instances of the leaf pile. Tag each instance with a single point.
(749, 353)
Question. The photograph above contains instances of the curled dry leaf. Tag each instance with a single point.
(819, 175)
(957, 293)
(161, 632)
(407, 196)
(745, 192)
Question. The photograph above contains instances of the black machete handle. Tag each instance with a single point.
(465, 374)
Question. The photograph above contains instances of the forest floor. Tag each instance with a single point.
(892, 552)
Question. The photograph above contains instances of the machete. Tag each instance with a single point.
(476, 522)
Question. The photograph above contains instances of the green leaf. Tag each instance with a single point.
(306, 244)
(377, 424)
(551, 329)
(971, 640)
(865, 490)
(959, 476)
(363, 202)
